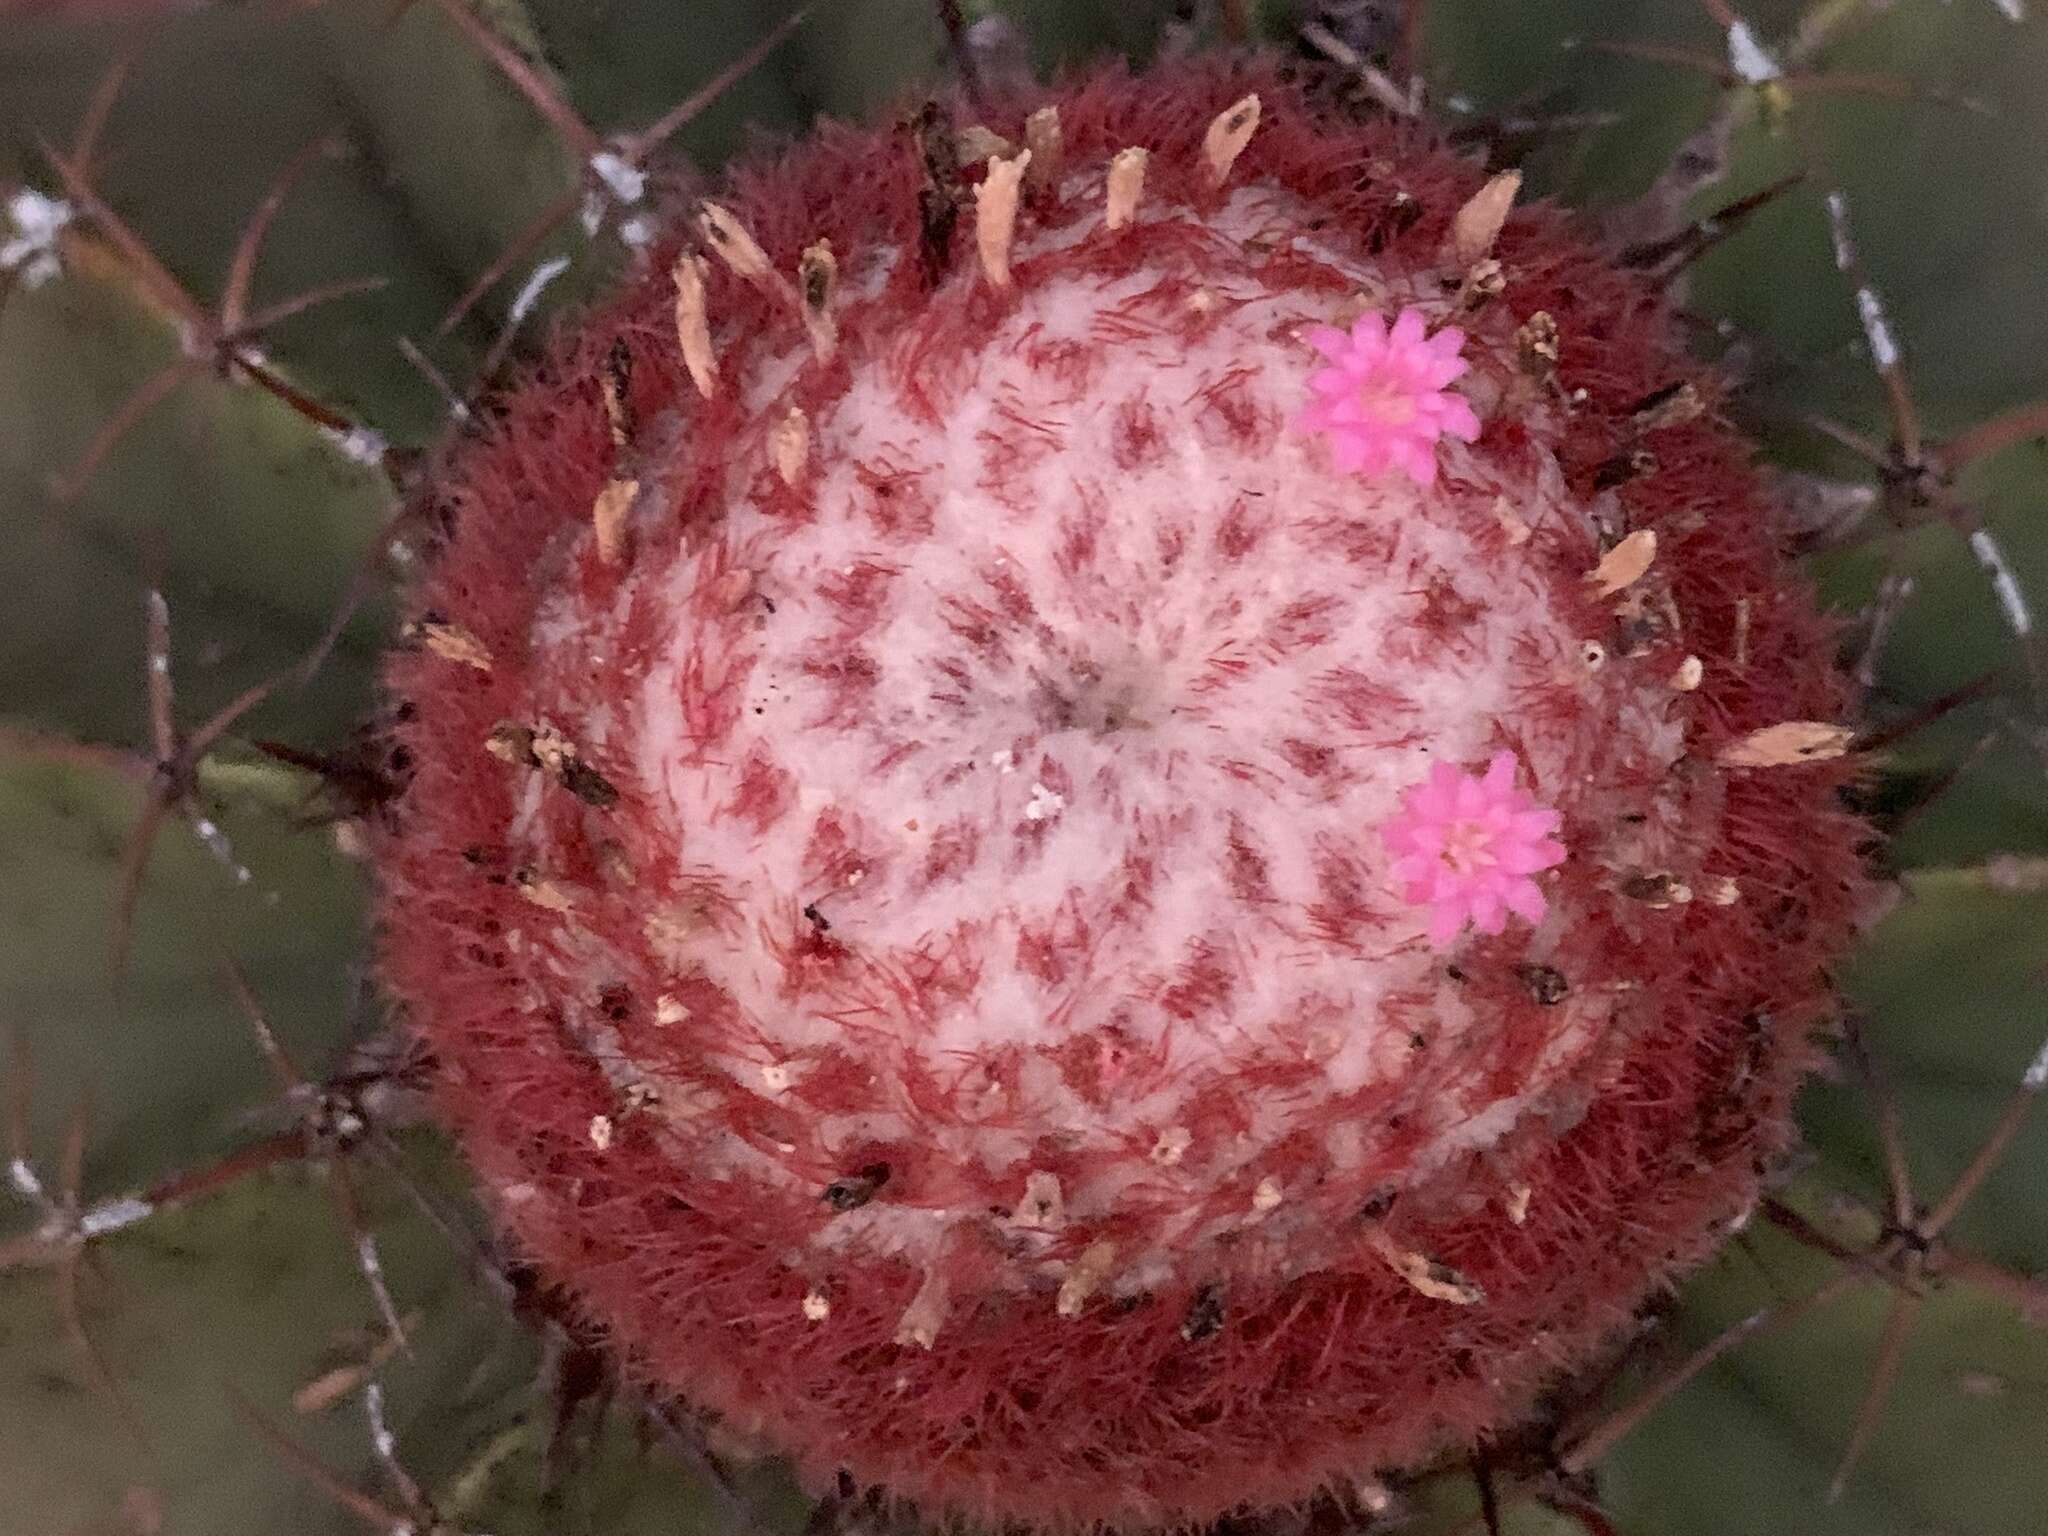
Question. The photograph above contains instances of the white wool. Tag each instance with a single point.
(1108, 718)
(38, 223)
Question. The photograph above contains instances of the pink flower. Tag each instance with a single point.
(1382, 401)
(1466, 845)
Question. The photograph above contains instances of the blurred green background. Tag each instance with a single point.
(1930, 118)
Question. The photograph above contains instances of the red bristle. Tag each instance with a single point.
(1028, 1205)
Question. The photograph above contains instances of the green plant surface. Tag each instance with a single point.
(174, 1074)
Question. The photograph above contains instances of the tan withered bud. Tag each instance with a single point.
(608, 518)
(817, 274)
(1085, 1278)
(544, 892)
(1125, 185)
(1519, 1195)
(1670, 408)
(789, 444)
(615, 382)
(995, 215)
(926, 1313)
(1430, 1277)
(1625, 564)
(1043, 138)
(1536, 341)
(739, 250)
(1227, 136)
(454, 643)
(693, 324)
(1479, 220)
(1779, 746)
(512, 742)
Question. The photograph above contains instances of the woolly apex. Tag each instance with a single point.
(910, 870)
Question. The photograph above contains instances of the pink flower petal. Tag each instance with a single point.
(1465, 845)
(1489, 912)
(1331, 342)
(1525, 900)
(1382, 403)
(1445, 920)
(1461, 421)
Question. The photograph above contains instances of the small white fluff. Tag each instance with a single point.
(1749, 58)
(623, 179)
(37, 221)
(113, 1215)
(359, 445)
(536, 283)
(2003, 582)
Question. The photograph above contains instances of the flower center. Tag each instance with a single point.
(1387, 401)
(1468, 847)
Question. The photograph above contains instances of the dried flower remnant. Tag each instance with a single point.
(1382, 402)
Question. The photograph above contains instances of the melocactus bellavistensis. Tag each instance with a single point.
(1102, 836)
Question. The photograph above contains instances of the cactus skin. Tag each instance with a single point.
(532, 915)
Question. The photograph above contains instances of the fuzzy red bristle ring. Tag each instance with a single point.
(1115, 816)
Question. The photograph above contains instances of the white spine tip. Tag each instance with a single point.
(359, 445)
(1877, 329)
(38, 223)
(2004, 583)
(621, 177)
(2035, 1078)
(113, 1215)
(24, 1180)
(1750, 60)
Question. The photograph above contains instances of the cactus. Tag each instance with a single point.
(283, 286)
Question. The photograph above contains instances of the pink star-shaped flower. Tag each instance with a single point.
(1466, 845)
(1382, 400)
